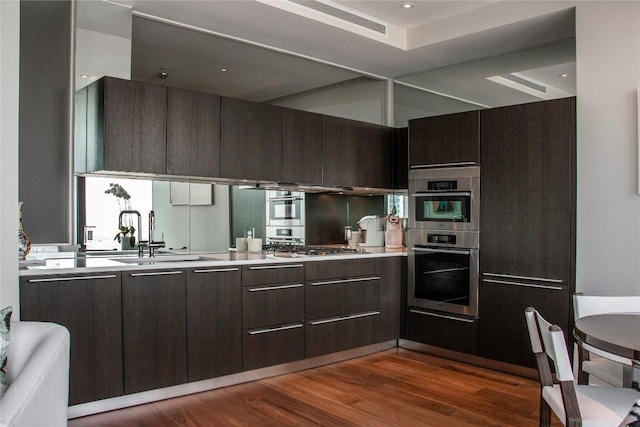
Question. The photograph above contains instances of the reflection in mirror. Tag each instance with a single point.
(192, 218)
(542, 73)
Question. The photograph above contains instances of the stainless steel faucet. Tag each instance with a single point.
(131, 212)
(152, 227)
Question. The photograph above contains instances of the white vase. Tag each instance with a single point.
(24, 244)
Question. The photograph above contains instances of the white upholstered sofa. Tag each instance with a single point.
(38, 376)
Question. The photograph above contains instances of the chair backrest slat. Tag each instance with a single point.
(589, 305)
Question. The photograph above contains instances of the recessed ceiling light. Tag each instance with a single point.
(84, 76)
(407, 5)
(224, 70)
(564, 75)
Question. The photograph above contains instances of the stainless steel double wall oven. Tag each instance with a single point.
(443, 239)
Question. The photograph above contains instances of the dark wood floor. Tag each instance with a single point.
(394, 388)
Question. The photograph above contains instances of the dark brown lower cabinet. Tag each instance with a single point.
(272, 346)
(214, 322)
(325, 336)
(443, 330)
(392, 275)
(154, 327)
(90, 306)
(503, 332)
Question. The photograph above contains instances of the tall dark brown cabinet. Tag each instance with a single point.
(340, 152)
(375, 156)
(527, 223)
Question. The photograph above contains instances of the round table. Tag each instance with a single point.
(615, 333)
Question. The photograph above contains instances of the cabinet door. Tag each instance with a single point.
(340, 152)
(154, 329)
(135, 126)
(452, 138)
(336, 297)
(272, 305)
(341, 333)
(344, 268)
(193, 133)
(443, 330)
(400, 156)
(251, 140)
(273, 346)
(390, 297)
(375, 156)
(528, 199)
(302, 147)
(214, 322)
(90, 306)
(503, 332)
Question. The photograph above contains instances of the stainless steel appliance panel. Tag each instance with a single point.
(443, 271)
(285, 208)
(445, 198)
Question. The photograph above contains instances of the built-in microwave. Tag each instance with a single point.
(285, 208)
(445, 198)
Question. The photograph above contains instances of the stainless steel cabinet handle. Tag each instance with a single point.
(157, 273)
(217, 270)
(271, 288)
(447, 251)
(508, 276)
(281, 328)
(443, 316)
(439, 165)
(57, 279)
(442, 193)
(444, 270)
(333, 282)
(284, 199)
(340, 319)
(525, 285)
(272, 267)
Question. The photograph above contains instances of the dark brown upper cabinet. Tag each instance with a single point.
(193, 133)
(126, 126)
(340, 152)
(400, 156)
(375, 156)
(251, 140)
(440, 140)
(302, 147)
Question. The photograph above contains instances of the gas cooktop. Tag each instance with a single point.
(298, 251)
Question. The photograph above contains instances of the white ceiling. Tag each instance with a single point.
(274, 48)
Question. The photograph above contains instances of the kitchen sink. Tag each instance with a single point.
(162, 258)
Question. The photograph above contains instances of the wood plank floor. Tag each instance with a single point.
(397, 387)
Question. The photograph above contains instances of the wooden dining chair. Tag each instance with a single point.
(575, 405)
(595, 364)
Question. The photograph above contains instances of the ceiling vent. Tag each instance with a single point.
(342, 14)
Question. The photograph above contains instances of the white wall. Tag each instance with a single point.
(9, 83)
(608, 218)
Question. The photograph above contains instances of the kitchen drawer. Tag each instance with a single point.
(443, 330)
(272, 305)
(330, 335)
(272, 346)
(319, 270)
(266, 274)
(336, 297)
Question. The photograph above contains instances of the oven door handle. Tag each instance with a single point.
(446, 251)
(285, 199)
(442, 194)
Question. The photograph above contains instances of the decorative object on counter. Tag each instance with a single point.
(241, 244)
(393, 231)
(254, 245)
(355, 238)
(24, 244)
(126, 230)
(348, 233)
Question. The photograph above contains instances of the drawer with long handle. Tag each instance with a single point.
(329, 335)
(272, 346)
(269, 274)
(269, 305)
(327, 298)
